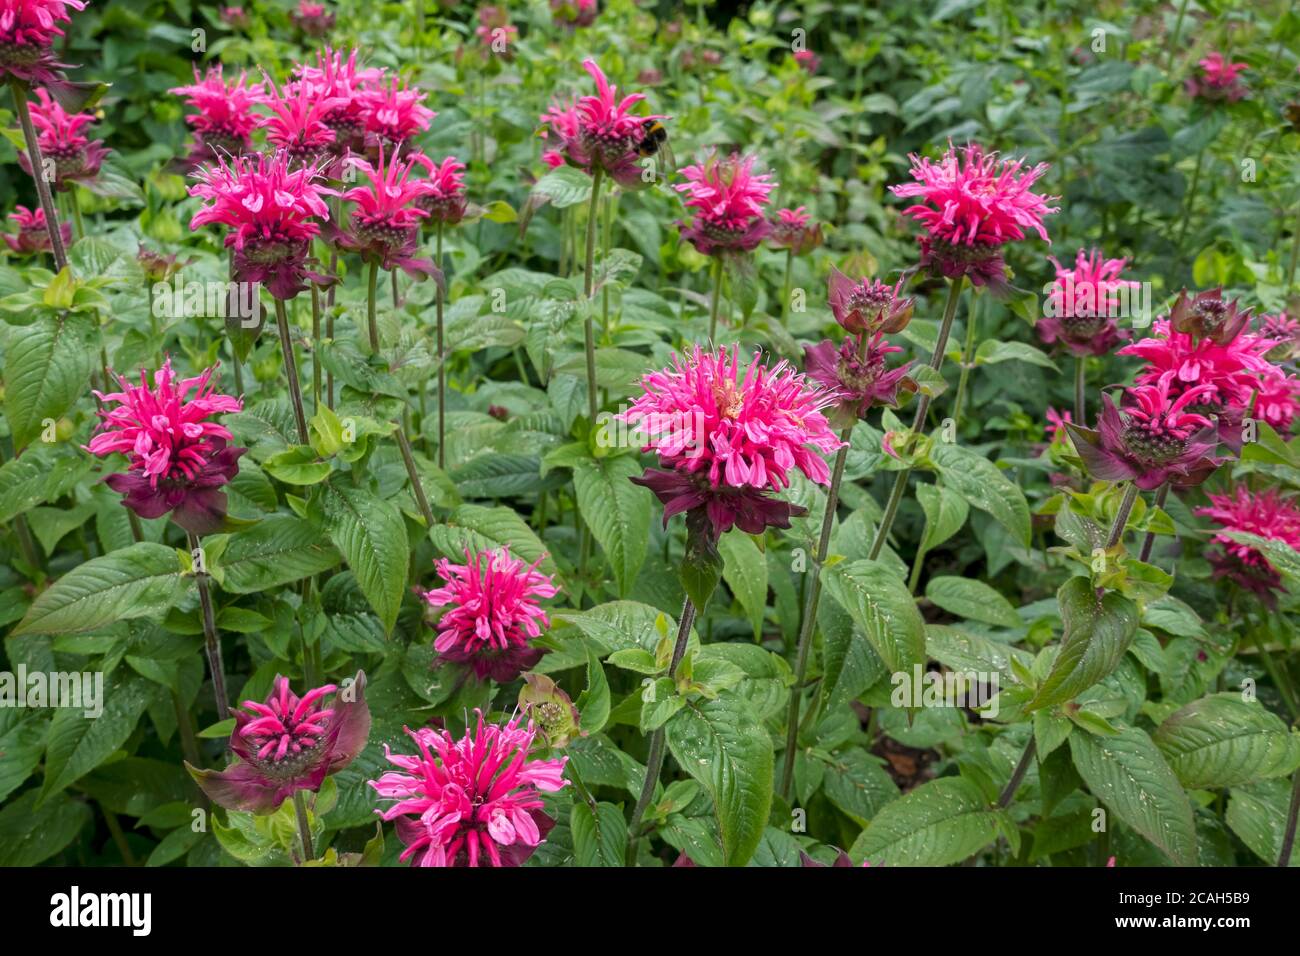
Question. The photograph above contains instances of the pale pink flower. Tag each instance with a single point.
(473, 801)
(728, 200)
(288, 743)
(226, 117)
(394, 113)
(1266, 514)
(178, 456)
(971, 204)
(1084, 304)
(492, 612)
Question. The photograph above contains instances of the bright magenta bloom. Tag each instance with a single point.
(472, 801)
(297, 123)
(1218, 80)
(727, 443)
(495, 31)
(444, 196)
(1264, 513)
(1084, 303)
(341, 81)
(32, 237)
(971, 203)
(728, 199)
(226, 114)
(272, 215)
(76, 157)
(385, 224)
(312, 19)
(867, 305)
(1151, 440)
(288, 743)
(1277, 399)
(492, 612)
(807, 59)
(794, 229)
(393, 114)
(27, 32)
(179, 459)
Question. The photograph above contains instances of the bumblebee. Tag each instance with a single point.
(654, 142)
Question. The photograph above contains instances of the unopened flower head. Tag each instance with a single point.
(1266, 514)
(1152, 439)
(491, 612)
(473, 801)
(728, 200)
(867, 305)
(1084, 304)
(178, 455)
(856, 372)
(971, 203)
(1207, 315)
(288, 743)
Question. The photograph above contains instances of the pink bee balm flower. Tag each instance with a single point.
(856, 374)
(473, 801)
(297, 121)
(312, 19)
(1266, 514)
(1084, 303)
(726, 443)
(971, 204)
(1283, 330)
(727, 197)
(1218, 80)
(1056, 422)
(1277, 399)
(492, 613)
(496, 32)
(794, 229)
(226, 117)
(272, 215)
(76, 157)
(341, 81)
(602, 131)
(393, 114)
(574, 13)
(808, 60)
(179, 459)
(1151, 440)
(385, 224)
(234, 17)
(444, 196)
(867, 305)
(33, 237)
(289, 743)
(27, 32)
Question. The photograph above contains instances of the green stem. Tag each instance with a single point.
(409, 460)
(315, 344)
(291, 370)
(1121, 516)
(372, 290)
(212, 641)
(304, 828)
(918, 421)
(589, 280)
(655, 760)
(967, 363)
(716, 301)
(1295, 257)
(1174, 37)
(440, 298)
(1080, 391)
(785, 286)
(1191, 197)
(1161, 497)
(1288, 836)
(1018, 775)
(78, 223)
(19, 90)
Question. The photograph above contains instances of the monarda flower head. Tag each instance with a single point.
(473, 801)
(271, 212)
(393, 114)
(1207, 315)
(179, 459)
(27, 32)
(1282, 329)
(1266, 514)
(728, 199)
(1150, 440)
(724, 441)
(444, 194)
(794, 229)
(1084, 303)
(226, 114)
(495, 32)
(574, 13)
(312, 19)
(32, 237)
(1217, 80)
(971, 204)
(1277, 399)
(384, 227)
(297, 121)
(856, 373)
(76, 157)
(867, 305)
(491, 613)
(289, 743)
(341, 81)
